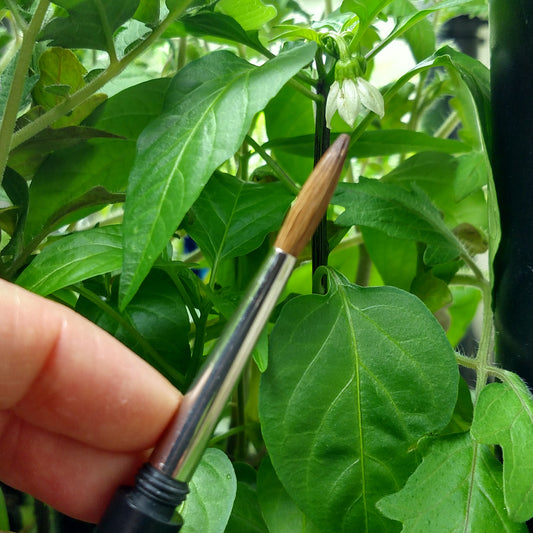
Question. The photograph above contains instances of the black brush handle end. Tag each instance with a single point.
(147, 507)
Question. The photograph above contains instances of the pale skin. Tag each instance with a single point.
(79, 412)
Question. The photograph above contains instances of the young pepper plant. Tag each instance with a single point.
(131, 128)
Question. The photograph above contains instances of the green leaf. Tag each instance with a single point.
(89, 23)
(279, 511)
(75, 177)
(471, 174)
(209, 109)
(376, 143)
(128, 112)
(399, 213)
(148, 12)
(436, 174)
(28, 156)
(504, 416)
(250, 14)
(347, 393)
(74, 258)
(232, 217)
(366, 10)
(395, 259)
(433, 291)
(6, 80)
(212, 493)
(154, 325)
(291, 114)
(462, 311)
(159, 314)
(246, 515)
(456, 489)
(221, 26)
(16, 188)
(388, 142)
(61, 74)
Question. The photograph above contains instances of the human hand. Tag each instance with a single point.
(78, 410)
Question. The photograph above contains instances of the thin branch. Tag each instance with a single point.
(278, 171)
(17, 85)
(85, 92)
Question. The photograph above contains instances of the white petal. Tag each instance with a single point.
(331, 103)
(370, 96)
(349, 104)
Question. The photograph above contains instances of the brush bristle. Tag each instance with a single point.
(312, 201)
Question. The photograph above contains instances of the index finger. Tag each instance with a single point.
(60, 372)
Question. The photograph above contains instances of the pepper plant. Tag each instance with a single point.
(149, 151)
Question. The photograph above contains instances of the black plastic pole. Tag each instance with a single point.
(511, 30)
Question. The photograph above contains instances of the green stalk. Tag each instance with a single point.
(107, 32)
(17, 85)
(484, 353)
(88, 90)
(278, 171)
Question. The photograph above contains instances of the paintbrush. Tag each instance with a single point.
(161, 484)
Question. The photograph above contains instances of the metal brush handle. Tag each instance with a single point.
(182, 445)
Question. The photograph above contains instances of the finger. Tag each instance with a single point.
(72, 477)
(62, 373)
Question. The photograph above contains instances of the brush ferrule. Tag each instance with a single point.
(182, 445)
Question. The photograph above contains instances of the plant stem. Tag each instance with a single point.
(483, 356)
(305, 91)
(198, 348)
(319, 243)
(278, 171)
(447, 127)
(85, 92)
(17, 85)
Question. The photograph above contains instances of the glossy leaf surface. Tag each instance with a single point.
(347, 392)
(178, 152)
(457, 489)
(246, 515)
(73, 258)
(212, 492)
(376, 143)
(399, 213)
(232, 217)
(62, 182)
(504, 416)
(221, 26)
(128, 112)
(250, 14)
(280, 512)
(89, 23)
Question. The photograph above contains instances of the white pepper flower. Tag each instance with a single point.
(347, 95)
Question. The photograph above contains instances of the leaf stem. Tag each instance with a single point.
(483, 356)
(447, 127)
(21, 23)
(305, 91)
(85, 92)
(107, 32)
(17, 85)
(278, 171)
